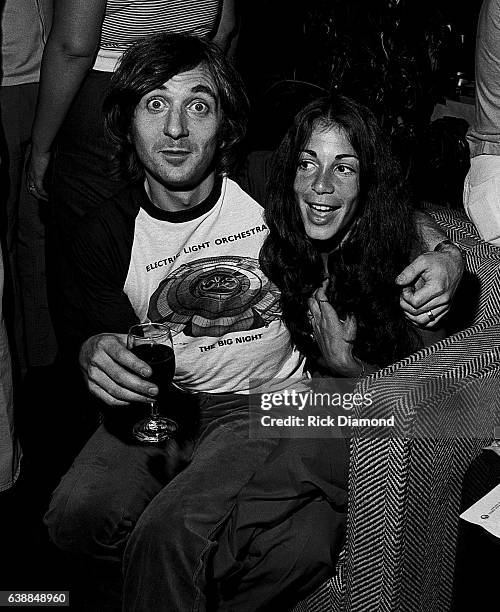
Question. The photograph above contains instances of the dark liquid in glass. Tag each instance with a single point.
(161, 358)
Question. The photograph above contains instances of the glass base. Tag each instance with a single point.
(154, 430)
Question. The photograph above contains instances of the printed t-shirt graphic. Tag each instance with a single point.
(216, 296)
(202, 276)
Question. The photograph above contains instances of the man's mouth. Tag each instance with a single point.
(174, 152)
(175, 156)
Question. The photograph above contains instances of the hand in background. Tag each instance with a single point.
(36, 169)
(113, 373)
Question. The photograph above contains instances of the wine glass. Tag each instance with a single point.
(152, 342)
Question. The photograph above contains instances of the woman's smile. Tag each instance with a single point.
(326, 184)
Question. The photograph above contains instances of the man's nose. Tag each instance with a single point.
(175, 124)
(323, 182)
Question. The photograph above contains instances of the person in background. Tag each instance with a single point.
(482, 183)
(340, 227)
(10, 450)
(85, 44)
(25, 26)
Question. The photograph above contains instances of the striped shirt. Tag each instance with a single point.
(126, 21)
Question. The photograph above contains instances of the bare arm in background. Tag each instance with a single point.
(68, 56)
(227, 33)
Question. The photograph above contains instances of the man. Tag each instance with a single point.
(248, 522)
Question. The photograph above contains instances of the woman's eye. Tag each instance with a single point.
(155, 105)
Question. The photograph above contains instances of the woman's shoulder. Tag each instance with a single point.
(431, 336)
(254, 174)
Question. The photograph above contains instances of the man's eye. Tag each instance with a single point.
(155, 105)
(199, 107)
(345, 169)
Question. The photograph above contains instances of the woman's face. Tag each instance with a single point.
(326, 184)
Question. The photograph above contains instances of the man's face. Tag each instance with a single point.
(175, 127)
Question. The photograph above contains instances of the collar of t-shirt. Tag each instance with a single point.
(182, 216)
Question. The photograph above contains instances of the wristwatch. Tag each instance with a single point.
(440, 247)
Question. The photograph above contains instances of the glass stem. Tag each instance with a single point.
(155, 413)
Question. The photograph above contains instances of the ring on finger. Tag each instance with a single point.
(431, 316)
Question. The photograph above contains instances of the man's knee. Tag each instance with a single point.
(85, 520)
(160, 527)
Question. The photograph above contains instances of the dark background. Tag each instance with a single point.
(277, 37)
(399, 57)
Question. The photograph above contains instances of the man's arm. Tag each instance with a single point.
(430, 281)
(428, 230)
(101, 257)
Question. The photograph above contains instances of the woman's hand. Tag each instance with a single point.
(36, 168)
(334, 337)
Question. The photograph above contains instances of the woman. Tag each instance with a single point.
(341, 228)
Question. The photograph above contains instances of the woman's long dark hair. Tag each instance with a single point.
(376, 249)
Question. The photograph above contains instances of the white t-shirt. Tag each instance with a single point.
(202, 277)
